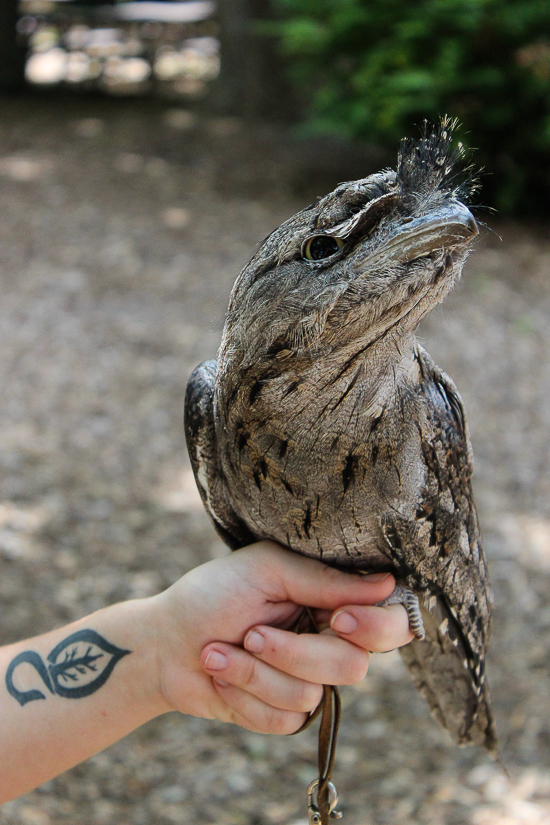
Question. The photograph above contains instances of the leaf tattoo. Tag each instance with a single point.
(78, 666)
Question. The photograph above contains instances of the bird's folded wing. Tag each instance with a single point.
(203, 452)
(442, 549)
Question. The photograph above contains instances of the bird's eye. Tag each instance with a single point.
(321, 246)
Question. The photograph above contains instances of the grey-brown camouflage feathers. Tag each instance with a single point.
(324, 425)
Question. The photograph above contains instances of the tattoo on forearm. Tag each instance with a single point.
(78, 666)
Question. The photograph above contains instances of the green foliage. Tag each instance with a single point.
(374, 69)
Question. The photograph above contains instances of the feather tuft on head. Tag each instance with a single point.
(434, 161)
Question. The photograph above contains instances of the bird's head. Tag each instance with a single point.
(372, 256)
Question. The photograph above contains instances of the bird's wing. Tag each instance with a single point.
(442, 559)
(203, 452)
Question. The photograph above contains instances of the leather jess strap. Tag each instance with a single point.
(329, 708)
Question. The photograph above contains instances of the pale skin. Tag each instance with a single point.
(216, 644)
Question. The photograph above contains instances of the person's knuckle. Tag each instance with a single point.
(308, 696)
(388, 642)
(233, 717)
(331, 574)
(278, 721)
(379, 643)
(354, 668)
(285, 656)
(297, 722)
(292, 722)
(390, 635)
(249, 671)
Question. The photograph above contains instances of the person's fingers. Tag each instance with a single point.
(377, 629)
(251, 713)
(287, 576)
(324, 659)
(274, 687)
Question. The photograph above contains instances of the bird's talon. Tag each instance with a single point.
(408, 598)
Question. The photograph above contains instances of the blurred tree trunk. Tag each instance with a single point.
(12, 55)
(252, 82)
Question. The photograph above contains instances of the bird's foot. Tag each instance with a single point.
(408, 598)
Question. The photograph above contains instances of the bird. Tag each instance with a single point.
(324, 425)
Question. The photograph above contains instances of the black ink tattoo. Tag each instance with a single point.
(78, 666)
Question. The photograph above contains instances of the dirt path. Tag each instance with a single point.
(122, 230)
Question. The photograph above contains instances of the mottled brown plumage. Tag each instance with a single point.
(326, 426)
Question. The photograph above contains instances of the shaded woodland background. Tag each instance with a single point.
(125, 221)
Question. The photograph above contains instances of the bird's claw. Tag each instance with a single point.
(408, 598)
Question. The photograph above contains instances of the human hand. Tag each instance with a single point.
(249, 599)
(163, 653)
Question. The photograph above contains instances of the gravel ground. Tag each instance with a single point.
(123, 227)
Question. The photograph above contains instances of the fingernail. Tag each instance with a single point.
(215, 660)
(221, 682)
(376, 577)
(254, 641)
(344, 622)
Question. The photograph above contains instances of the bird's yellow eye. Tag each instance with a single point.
(319, 247)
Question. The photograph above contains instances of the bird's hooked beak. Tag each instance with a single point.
(451, 226)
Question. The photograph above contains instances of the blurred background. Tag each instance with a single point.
(145, 150)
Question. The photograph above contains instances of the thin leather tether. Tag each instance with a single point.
(330, 710)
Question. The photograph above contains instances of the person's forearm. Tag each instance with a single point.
(70, 693)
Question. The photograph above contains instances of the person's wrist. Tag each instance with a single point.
(144, 631)
(172, 644)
